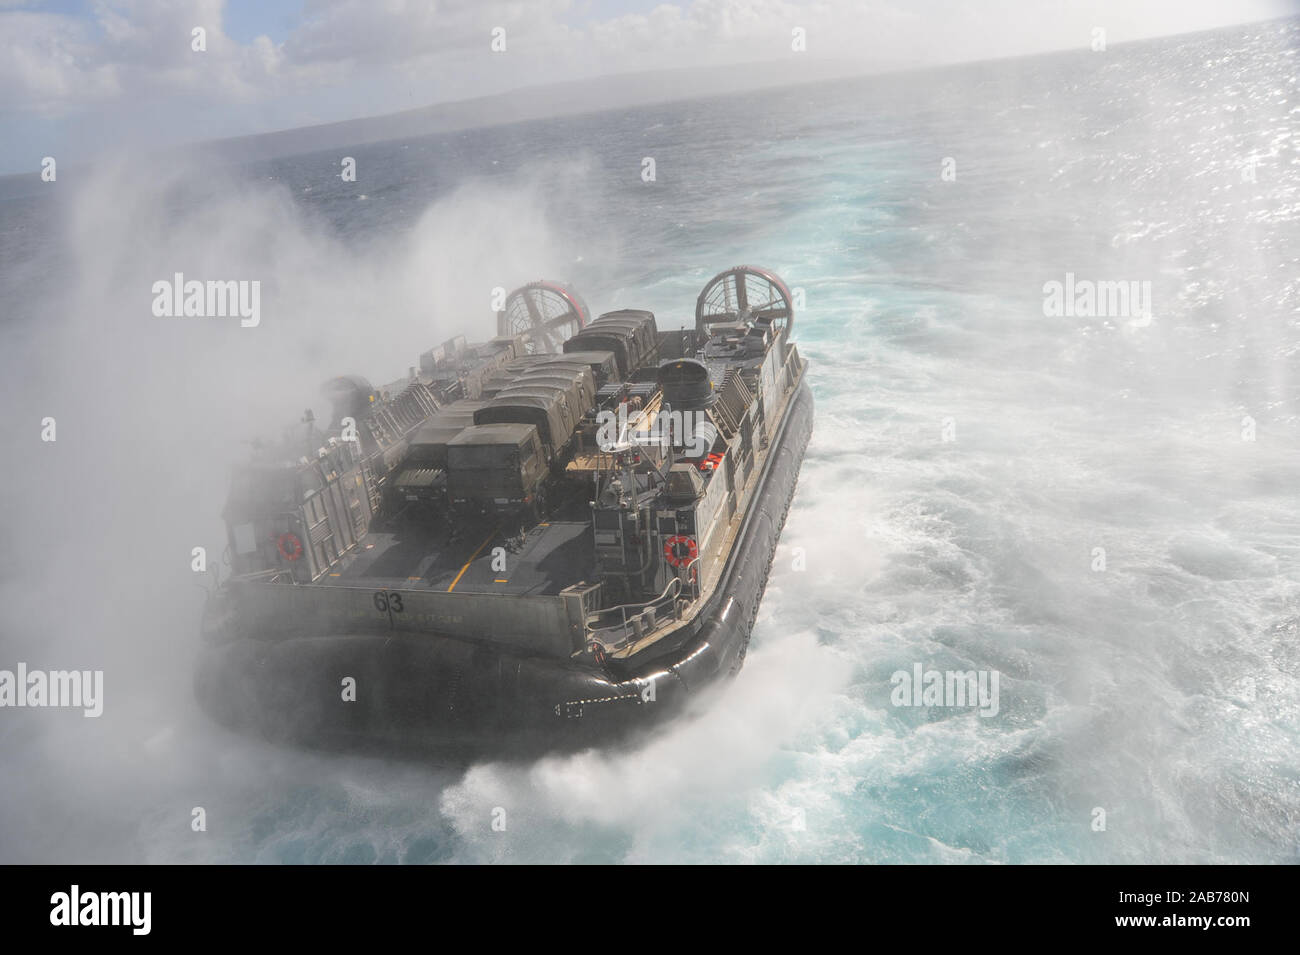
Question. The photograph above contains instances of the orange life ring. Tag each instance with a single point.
(289, 545)
(710, 463)
(680, 550)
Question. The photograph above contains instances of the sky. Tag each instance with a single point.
(81, 76)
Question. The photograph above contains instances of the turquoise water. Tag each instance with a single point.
(972, 453)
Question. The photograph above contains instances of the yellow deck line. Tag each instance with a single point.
(471, 560)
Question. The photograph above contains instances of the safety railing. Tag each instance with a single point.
(693, 575)
(632, 625)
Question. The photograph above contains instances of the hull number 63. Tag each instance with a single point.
(386, 600)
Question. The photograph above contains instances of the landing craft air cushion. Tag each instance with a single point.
(545, 541)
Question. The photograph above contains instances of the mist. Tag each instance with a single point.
(151, 414)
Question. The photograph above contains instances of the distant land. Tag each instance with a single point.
(569, 98)
(600, 93)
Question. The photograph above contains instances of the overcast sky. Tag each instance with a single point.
(77, 75)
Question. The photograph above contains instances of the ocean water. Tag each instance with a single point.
(1103, 509)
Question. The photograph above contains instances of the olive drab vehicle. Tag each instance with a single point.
(547, 540)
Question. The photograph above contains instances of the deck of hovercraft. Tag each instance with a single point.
(549, 557)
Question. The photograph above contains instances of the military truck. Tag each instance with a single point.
(499, 466)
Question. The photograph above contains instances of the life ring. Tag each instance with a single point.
(710, 463)
(598, 651)
(289, 545)
(680, 550)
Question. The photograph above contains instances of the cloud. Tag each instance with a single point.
(52, 63)
(47, 62)
(399, 30)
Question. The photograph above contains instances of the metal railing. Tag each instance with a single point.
(692, 574)
(617, 635)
